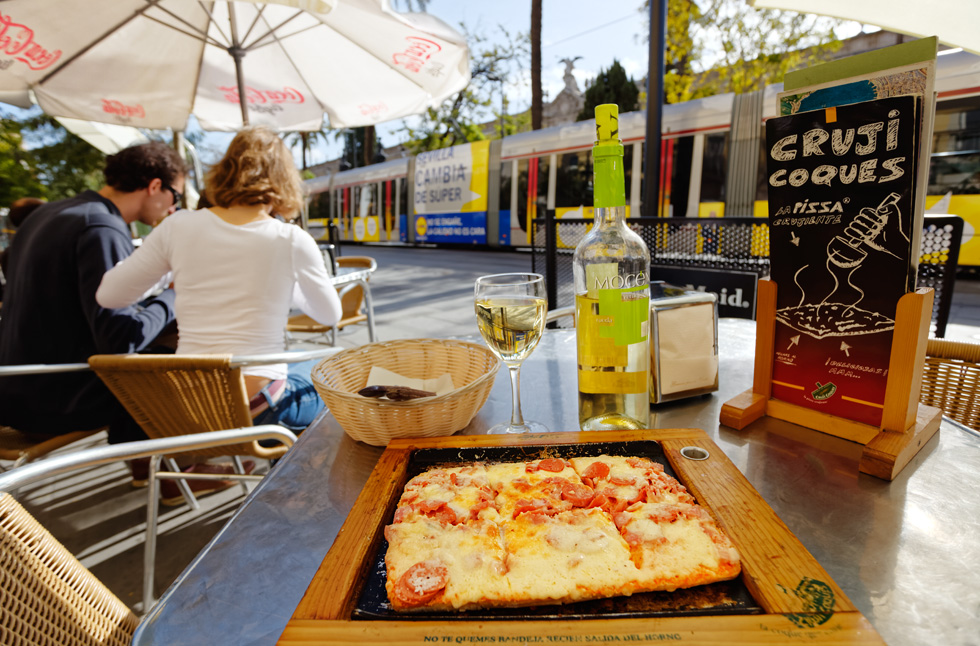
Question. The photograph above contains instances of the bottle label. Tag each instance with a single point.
(613, 326)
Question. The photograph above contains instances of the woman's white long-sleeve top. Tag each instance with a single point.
(234, 283)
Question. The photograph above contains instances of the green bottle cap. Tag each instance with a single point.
(607, 124)
(609, 188)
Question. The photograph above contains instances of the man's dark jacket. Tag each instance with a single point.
(49, 314)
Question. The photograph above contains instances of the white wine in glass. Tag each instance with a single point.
(510, 312)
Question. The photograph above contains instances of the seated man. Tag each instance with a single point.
(50, 315)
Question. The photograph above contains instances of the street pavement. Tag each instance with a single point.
(418, 292)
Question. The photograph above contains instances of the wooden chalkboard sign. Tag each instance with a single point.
(841, 184)
(840, 330)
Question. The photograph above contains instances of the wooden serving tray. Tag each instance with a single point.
(801, 602)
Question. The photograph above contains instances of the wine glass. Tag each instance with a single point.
(510, 311)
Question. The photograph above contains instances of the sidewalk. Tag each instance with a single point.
(417, 293)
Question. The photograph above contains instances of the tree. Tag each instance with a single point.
(18, 176)
(458, 120)
(757, 46)
(611, 86)
(306, 141)
(39, 158)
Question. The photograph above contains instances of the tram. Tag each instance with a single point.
(484, 193)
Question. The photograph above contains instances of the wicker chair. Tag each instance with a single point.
(352, 299)
(46, 595)
(951, 380)
(21, 447)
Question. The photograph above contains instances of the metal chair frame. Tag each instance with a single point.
(155, 450)
(353, 296)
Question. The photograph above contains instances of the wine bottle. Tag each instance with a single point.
(612, 298)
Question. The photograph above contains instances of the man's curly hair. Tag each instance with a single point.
(133, 168)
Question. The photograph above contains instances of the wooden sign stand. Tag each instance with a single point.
(906, 425)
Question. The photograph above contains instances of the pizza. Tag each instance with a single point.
(548, 531)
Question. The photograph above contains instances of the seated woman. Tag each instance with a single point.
(237, 271)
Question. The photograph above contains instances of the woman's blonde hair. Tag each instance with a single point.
(257, 169)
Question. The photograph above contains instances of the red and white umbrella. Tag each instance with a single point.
(153, 63)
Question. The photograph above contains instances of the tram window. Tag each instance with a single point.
(320, 205)
(958, 173)
(713, 168)
(957, 126)
(506, 181)
(403, 199)
(574, 180)
(367, 200)
(680, 175)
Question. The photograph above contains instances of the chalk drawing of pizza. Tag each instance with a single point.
(833, 319)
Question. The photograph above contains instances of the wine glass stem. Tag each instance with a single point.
(516, 418)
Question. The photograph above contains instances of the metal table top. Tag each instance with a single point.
(905, 552)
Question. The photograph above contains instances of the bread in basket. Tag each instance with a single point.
(377, 421)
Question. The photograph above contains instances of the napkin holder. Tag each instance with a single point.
(683, 343)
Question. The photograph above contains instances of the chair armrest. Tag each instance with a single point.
(240, 361)
(61, 464)
(41, 369)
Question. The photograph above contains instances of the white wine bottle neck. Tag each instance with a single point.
(610, 215)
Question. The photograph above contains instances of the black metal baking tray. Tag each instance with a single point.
(725, 598)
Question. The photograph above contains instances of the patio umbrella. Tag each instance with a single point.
(955, 22)
(152, 63)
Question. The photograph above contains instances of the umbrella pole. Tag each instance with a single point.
(237, 54)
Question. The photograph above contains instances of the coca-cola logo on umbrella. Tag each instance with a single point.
(417, 54)
(18, 41)
(255, 96)
(119, 108)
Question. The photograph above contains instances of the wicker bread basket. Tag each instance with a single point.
(377, 421)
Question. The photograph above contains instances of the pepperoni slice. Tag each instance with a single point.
(401, 514)
(622, 481)
(421, 583)
(596, 470)
(444, 513)
(523, 506)
(600, 501)
(578, 495)
(555, 465)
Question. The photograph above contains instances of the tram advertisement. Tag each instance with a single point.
(841, 213)
(451, 187)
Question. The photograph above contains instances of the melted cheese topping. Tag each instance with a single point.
(673, 547)
(472, 553)
(513, 486)
(573, 556)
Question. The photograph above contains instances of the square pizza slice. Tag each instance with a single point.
(453, 495)
(434, 565)
(566, 557)
(676, 545)
(548, 486)
(620, 481)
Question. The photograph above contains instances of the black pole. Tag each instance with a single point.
(655, 98)
(551, 257)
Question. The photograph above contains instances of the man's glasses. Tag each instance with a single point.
(177, 195)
